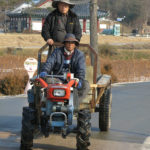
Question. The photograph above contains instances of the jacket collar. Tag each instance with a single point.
(68, 52)
(62, 50)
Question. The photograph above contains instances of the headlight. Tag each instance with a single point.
(59, 93)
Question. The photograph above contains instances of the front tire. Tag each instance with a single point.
(27, 128)
(84, 128)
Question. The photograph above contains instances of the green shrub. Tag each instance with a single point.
(13, 84)
(107, 50)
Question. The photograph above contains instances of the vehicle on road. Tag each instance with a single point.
(53, 105)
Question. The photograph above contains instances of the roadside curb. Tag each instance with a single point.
(10, 96)
(124, 83)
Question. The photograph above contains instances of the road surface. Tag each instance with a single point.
(130, 128)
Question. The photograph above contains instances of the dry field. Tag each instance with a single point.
(34, 40)
(124, 70)
(128, 65)
(129, 71)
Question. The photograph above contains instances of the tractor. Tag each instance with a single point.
(53, 105)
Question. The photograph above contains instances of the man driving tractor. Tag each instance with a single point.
(55, 98)
(65, 59)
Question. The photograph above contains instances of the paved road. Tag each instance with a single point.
(130, 128)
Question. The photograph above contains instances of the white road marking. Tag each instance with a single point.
(146, 144)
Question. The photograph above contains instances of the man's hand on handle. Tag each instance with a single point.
(79, 85)
(50, 41)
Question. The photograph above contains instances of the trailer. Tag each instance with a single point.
(54, 104)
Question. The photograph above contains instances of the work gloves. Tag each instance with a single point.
(79, 86)
(43, 74)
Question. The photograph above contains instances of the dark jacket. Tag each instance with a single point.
(51, 24)
(55, 63)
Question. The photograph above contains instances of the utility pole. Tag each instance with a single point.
(5, 26)
(5, 16)
(93, 32)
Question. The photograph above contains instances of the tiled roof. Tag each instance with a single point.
(81, 10)
(34, 12)
(42, 12)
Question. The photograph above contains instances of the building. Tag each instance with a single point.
(32, 18)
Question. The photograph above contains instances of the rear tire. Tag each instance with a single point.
(28, 121)
(84, 128)
(105, 110)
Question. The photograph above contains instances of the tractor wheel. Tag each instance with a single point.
(28, 119)
(105, 110)
(84, 128)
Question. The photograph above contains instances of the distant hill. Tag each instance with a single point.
(135, 12)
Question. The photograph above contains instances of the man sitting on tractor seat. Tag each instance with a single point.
(65, 59)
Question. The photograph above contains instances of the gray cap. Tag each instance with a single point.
(71, 38)
(55, 3)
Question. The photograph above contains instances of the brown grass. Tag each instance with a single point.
(13, 84)
(12, 65)
(107, 69)
(131, 70)
(14, 81)
(125, 65)
(124, 69)
(31, 40)
(115, 39)
(21, 40)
